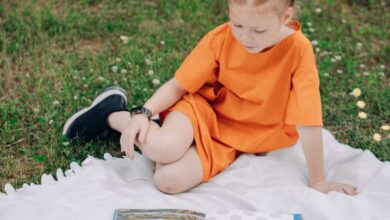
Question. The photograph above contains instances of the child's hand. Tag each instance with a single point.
(325, 187)
(138, 125)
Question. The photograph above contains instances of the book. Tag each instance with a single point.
(184, 214)
(154, 214)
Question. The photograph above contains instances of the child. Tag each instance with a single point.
(249, 86)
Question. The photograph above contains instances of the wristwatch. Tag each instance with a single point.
(141, 110)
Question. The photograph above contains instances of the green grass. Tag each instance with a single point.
(62, 52)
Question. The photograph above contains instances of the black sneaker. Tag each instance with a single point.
(91, 122)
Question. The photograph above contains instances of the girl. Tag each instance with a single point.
(249, 86)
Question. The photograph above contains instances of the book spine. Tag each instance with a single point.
(115, 214)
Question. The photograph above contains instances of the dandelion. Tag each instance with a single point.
(75, 97)
(312, 30)
(56, 102)
(85, 85)
(314, 42)
(381, 73)
(150, 72)
(356, 92)
(318, 49)
(359, 45)
(145, 89)
(100, 78)
(366, 73)
(124, 39)
(36, 110)
(326, 74)
(382, 66)
(385, 127)
(162, 42)
(338, 57)
(66, 143)
(377, 137)
(118, 59)
(362, 66)
(318, 10)
(114, 69)
(156, 82)
(83, 78)
(50, 122)
(339, 71)
(362, 115)
(148, 62)
(383, 3)
(360, 104)
(159, 59)
(343, 20)
(123, 71)
(309, 24)
(333, 60)
(116, 82)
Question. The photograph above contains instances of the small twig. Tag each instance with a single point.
(18, 141)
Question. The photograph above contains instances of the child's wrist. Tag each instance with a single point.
(314, 182)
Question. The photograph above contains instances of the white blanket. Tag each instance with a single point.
(275, 183)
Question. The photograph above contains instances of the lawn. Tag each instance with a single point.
(55, 56)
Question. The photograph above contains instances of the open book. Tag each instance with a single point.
(183, 214)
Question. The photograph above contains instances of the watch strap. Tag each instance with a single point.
(141, 110)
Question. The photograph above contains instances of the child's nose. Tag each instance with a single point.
(247, 37)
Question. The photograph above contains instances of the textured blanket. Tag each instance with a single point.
(276, 183)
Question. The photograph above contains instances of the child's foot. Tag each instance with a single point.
(91, 122)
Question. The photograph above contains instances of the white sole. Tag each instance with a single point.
(96, 101)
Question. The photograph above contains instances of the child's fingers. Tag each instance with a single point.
(142, 134)
(122, 141)
(347, 191)
(131, 140)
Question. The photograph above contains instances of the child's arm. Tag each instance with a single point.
(167, 95)
(311, 138)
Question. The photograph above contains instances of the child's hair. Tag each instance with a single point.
(278, 6)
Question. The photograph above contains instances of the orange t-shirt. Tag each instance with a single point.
(249, 102)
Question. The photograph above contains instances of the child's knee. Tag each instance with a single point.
(168, 181)
(164, 148)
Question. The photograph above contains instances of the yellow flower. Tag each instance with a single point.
(377, 137)
(356, 92)
(385, 127)
(362, 115)
(361, 104)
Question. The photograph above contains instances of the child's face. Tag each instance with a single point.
(254, 31)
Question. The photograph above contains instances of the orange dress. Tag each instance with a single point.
(240, 102)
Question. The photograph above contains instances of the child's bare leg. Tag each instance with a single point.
(163, 145)
(181, 175)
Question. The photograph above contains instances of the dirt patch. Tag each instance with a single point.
(93, 47)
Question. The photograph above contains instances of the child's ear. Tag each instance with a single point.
(288, 15)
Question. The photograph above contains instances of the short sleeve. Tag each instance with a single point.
(198, 66)
(304, 105)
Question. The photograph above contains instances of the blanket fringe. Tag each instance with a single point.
(48, 179)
